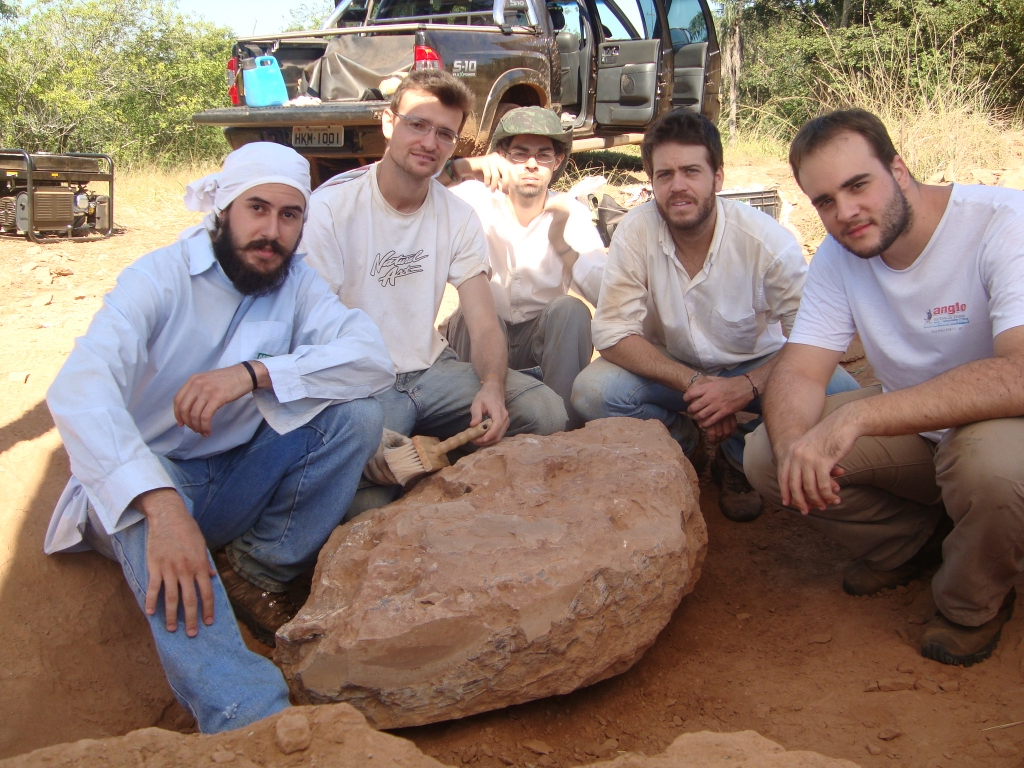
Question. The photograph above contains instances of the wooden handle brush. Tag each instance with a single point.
(428, 454)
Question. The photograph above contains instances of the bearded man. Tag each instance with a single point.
(932, 278)
(698, 296)
(221, 398)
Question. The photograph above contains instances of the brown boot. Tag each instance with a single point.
(861, 579)
(952, 643)
(261, 611)
(737, 499)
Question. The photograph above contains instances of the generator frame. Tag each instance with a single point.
(31, 174)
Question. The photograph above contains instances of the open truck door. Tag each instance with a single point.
(629, 62)
(696, 57)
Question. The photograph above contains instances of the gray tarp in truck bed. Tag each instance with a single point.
(352, 64)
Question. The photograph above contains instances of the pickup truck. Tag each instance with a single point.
(608, 67)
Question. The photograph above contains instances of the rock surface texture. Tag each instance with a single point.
(336, 736)
(529, 569)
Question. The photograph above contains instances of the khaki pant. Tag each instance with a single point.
(895, 490)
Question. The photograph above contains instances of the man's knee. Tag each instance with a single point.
(588, 390)
(759, 464)
(982, 461)
(603, 390)
(535, 409)
(570, 312)
(359, 422)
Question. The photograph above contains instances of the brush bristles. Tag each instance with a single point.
(405, 463)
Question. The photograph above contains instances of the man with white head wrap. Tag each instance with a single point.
(222, 397)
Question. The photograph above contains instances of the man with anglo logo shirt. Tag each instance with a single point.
(925, 469)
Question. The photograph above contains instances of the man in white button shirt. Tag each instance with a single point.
(539, 245)
(388, 238)
(698, 296)
(932, 279)
(220, 398)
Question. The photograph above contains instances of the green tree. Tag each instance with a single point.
(117, 76)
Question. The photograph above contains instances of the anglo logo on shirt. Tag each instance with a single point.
(946, 316)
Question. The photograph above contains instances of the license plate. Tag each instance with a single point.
(318, 136)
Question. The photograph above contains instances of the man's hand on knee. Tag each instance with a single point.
(204, 394)
(177, 560)
(808, 466)
(489, 401)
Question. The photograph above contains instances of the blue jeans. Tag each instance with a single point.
(436, 402)
(604, 389)
(273, 502)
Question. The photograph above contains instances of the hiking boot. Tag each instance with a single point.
(952, 643)
(861, 579)
(737, 499)
(261, 611)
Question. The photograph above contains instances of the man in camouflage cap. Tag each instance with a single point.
(539, 243)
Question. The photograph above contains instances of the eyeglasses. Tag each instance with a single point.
(422, 127)
(543, 157)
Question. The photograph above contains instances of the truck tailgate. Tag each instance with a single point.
(329, 113)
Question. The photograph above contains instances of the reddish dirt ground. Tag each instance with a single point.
(767, 641)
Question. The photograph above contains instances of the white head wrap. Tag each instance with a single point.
(261, 162)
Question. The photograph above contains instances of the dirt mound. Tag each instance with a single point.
(337, 736)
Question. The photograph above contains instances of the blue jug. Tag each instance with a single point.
(264, 83)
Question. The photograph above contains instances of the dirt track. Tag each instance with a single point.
(767, 641)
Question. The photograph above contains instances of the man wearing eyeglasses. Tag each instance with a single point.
(539, 245)
(387, 238)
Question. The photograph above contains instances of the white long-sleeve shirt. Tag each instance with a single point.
(733, 310)
(526, 272)
(174, 313)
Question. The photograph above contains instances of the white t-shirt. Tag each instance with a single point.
(394, 265)
(527, 273)
(965, 288)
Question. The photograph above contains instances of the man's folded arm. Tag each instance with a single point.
(88, 401)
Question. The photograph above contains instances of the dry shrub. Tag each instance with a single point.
(939, 116)
(940, 113)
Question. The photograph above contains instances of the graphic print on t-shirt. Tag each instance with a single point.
(391, 266)
(945, 316)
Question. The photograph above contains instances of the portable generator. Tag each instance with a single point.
(44, 196)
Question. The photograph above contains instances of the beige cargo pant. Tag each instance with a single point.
(895, 489)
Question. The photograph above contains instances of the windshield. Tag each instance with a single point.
(436, 11)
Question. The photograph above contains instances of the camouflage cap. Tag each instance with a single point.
(535, 121)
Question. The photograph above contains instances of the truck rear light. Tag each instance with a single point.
(231, 78)
(426, 57)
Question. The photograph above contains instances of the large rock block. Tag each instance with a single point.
(336, 736)
(529, 569)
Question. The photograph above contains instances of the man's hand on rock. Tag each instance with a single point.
(205, 393)
(177, 560)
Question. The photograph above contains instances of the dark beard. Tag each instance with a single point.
(529, 194)
(897, 219)
(704, 212)
(248, 281)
